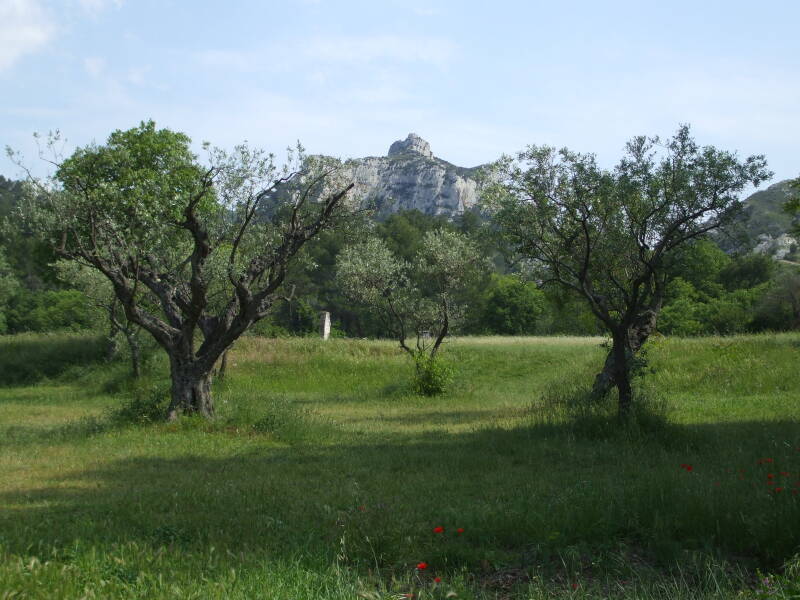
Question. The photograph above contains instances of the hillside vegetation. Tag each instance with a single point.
(322, 476)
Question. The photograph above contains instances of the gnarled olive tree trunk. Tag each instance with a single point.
(618, 366)
(191, 388)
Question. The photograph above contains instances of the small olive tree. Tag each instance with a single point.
(611, 236)
(196, 253)
(418, 302)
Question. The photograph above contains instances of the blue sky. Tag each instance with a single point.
(347, 78)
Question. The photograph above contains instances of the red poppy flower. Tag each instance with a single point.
(778, 489)
(770, 475)
(422, 566)
(761, 461)
(574, 586)
(438, 529)
(460, 530)
(437, 579)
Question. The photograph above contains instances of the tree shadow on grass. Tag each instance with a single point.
(20, 436)
(519, 494)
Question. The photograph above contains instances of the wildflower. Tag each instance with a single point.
(761, 461)
(438, 529)
(437, 579)
(460, 530)
(362, 508)
(770, 475)
(422, 566)
(686, 467)
(574, 586)
(778, 489)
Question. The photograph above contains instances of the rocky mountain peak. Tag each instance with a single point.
(412, 144)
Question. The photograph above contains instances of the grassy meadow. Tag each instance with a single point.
(323, 477)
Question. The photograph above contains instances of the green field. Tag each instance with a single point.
(324, 477)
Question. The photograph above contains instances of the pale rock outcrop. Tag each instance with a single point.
(777, 247)
(410, 177)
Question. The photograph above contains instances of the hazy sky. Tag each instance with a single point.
(347, 78)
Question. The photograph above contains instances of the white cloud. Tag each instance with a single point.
(243, 61)
(331, 50)
(424, 11)
(94, 65)
(95, 7)
(24, 28)
(138, 75)
(397, 48)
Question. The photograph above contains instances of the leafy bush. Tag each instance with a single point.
(431, 375)
(513, 306)
(690, 312)
(50, 311)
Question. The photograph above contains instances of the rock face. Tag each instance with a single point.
(777, 247)
(410, 177)
(413, 143)
(763, 226)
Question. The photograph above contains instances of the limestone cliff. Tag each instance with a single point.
(410, 177)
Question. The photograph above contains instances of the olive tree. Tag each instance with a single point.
(418, 301)
(195, 252)
(611, 236)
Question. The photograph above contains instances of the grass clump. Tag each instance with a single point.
(146, 404)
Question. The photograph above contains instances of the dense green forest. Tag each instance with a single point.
(713, 291)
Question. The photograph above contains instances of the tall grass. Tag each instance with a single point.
(31, 357)
(324, 476)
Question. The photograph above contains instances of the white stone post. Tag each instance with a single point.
(325, 324)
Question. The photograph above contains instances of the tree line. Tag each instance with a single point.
(199, 252)
(712, 292)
